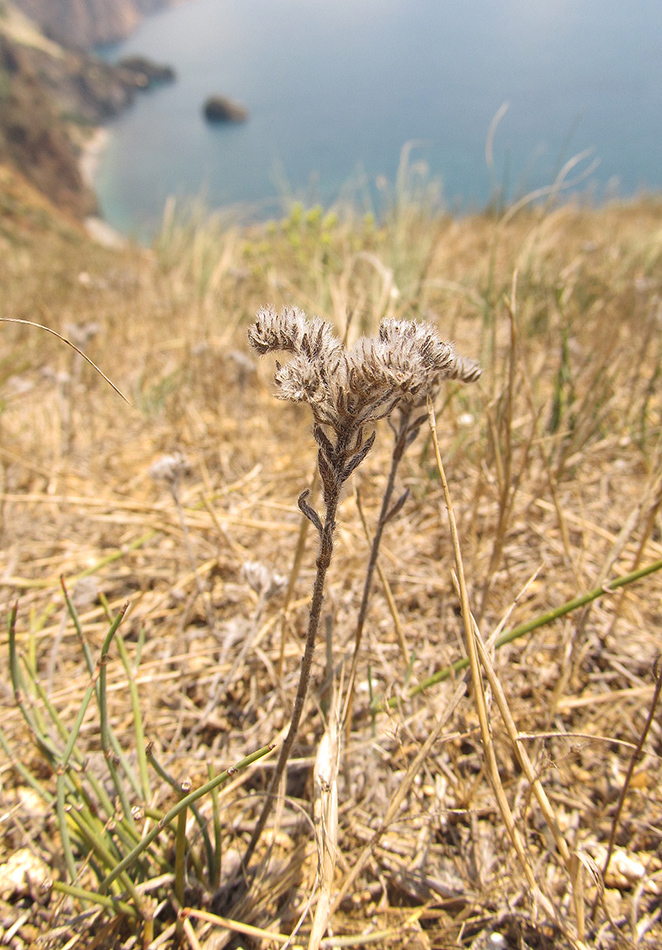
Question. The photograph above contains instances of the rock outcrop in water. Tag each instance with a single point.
(142, 73)
(220, 109)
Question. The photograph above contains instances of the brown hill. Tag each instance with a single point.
(33, 137)
(51, 97)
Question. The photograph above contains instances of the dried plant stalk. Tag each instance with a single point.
(326, 818)
(348, 390)
(476, 679)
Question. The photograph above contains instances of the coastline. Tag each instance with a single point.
(91, 151)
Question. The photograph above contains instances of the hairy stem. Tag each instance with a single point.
(323, 561)
(398, 451)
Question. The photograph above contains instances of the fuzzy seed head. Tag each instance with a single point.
(293, 332)
(347, 389)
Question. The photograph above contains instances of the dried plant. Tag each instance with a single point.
(348, 390)
(409, 416)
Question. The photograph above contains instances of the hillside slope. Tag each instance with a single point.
(34, 139)
(83, 23)
(554, 461)
(51, 97)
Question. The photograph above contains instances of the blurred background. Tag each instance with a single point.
(334, 90)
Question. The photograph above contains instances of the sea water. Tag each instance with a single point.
(335, 88)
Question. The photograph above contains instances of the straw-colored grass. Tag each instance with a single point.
(475, 807)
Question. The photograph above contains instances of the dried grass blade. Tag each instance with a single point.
(634, 758)
(40, 326)
(522, 629)
(388, 593)
(325, 778)
(237, 926)
(478, 692)
(573, 865)
(399, 796)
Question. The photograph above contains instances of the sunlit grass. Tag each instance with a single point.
(554, 462)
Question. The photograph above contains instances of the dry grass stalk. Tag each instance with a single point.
(410, 416)
(398, 798)
(478, 689)
(325, 779)
(392, 606)
(572, 865)
(636, 755)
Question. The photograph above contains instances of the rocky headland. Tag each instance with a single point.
(53, 97)
(86, 23)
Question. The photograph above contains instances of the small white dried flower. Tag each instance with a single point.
(466, 370)
(430, 358)
(59, 377)
(292, 331)
(263, 580)
(85, 592)
(169, 468)
(346, 389)
(81, 333)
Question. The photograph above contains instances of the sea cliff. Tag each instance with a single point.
(85, 23)
(52, 98)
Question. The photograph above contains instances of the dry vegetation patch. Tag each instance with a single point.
(555, 470)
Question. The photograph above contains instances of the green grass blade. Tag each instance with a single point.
(180, 806)
(177, 787)
(81, 894)
(138, 730)
(69, 862)
(215, 868)
(73, 613)
(24, 772)
(522, 629)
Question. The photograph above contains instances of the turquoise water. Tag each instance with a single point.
(335, 88)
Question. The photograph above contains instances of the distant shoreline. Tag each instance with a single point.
(91, 152)
(96, 226)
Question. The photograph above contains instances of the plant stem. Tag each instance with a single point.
(323, 561)
(398, 451)
(635, 757)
